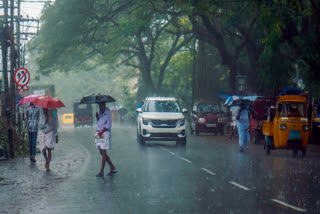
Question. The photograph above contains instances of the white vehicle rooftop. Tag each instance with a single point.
(162, 98)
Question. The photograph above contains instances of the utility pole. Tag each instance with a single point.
(194, 72)
(19, 57)
(12, 115)
(18, 33)
(4, 43)
(12, 65)
(10, 38)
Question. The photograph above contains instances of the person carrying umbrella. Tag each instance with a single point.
(33, 114)
(243, 127)
(103, 132)
(49, 128)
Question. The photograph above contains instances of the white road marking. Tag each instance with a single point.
(208, 171)
(288, 205)
(186, 160)
(167, 150)
(238, 185)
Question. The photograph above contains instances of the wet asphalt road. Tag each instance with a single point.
(208, 175)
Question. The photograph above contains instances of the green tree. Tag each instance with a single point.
(118, 32)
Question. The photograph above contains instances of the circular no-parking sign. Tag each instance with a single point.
(22, 78)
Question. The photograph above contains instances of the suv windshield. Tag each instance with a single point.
(162, 106)
(208, 108)
(293, 109)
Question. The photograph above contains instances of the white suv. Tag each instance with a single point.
(161, 118)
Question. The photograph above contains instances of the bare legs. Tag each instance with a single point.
(105, 158)
(47, 157)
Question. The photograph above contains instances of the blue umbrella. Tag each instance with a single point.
(232, 98)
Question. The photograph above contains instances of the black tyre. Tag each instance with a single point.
(182, 141)
(142, 141)
(222, 131)
(294, 151)
(304, 151)
(140, 138)
(197, 130)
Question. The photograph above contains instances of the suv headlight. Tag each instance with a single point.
(306, 128)
(181, 122)
(283, 126)
(201, 120)
(145, 121)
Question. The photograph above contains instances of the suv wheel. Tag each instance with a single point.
(140, 138)
(191, 131)
(142, 141)
(197, 130)
(222, 131)
(182, 141)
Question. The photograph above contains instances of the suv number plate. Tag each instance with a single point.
(211, 125)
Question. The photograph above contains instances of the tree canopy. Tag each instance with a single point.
(275, 43)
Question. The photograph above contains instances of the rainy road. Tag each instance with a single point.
(208, 175)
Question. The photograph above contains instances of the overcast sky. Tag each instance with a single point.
(32, 9)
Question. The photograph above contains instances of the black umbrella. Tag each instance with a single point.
(97, 98)
(122, 111)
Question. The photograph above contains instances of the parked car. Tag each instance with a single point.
(207, 117)
(161, 118)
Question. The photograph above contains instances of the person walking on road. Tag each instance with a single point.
(103, 133)
(33, 114)
(50, 134)
(243, 127)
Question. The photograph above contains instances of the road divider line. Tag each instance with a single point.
(288, 205)
(208, 171)
(238, 185)
(167, 150)
(186, 160)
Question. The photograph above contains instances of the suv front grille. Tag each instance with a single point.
(164, 123)
(163, 135)
(211, 120)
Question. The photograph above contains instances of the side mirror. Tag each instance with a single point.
(184, 110)
(194, 112)
(139, 110)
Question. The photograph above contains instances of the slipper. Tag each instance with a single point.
(112, 173)
(99, 175)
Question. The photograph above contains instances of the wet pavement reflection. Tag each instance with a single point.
(208, 175)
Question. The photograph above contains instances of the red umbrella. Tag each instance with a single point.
(48, 102)
(28, 99)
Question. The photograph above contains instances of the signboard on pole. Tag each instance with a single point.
(22, 78)
(241, 84)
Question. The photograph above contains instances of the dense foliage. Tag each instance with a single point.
(168, 44)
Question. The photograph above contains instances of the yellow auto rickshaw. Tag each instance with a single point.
(287, 126)
(67, 118)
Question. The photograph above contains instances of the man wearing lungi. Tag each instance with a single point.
(103, 137)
